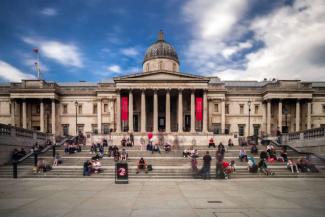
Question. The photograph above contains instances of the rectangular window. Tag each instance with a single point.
(216, 128)
(227, 109)
(95, 109)
(80, 128)
(311, 108)
(9, 108)
(79, 109)
(105, 128)
(105, 107)
(65, 128)
(323, 109)
(65, 109)
(227, 129)
(241, 109)
(241, 129)
(256, 109)
(216, 107)
(38, 109)
(94, 128)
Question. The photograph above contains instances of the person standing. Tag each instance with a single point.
(206, 166)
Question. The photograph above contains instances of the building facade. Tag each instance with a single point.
(163, 99)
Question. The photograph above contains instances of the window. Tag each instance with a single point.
(64, 108)
(65, 128)
(9, 108)
(160, 65)
(256, 109)
(38, 109)
(227, 109)
(216, 128)
(105, 107)
(80, 128)
(241, 129)
(94, 128)
(323, 109)
(79, 109)
(105, 128)
(311, 108)
(174, 67)
(95, 109)
(227, 129)
(216, 107)
(241, 108)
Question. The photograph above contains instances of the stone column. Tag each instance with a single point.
(155, 111)
(42, 116)
(118, 111)
(24, 114)
(130, 111)
(12, 105)
(268, 118)
(53, 113)
(205, 112)
(264, 114)
(308, 115)
(193, 111)
(223, 116)
(99, 116)
(143, 111)
(280, 116)
(168, 111)
(297, 115)
(180, 110)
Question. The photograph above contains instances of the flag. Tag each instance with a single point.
(198, 108)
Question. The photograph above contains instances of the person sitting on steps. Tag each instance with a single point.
(142, 165)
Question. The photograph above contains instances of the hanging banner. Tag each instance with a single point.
(198, 108)
(125, 108)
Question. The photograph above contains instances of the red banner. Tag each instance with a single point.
(125, 108)
(198, 108)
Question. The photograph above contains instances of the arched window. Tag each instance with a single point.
(160, 65)
(174, 67)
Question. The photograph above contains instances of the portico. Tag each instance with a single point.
(162, 101)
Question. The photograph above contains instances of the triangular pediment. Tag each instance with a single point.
(158, 76)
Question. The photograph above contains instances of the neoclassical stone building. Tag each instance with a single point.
(161, 98)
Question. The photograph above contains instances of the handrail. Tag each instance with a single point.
(295, 150)
(35, 154)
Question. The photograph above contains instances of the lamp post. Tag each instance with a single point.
(286, 117)
(76, 104)
(249, 117)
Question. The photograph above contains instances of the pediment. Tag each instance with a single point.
(159, 76)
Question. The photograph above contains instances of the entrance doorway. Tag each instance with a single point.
(161, 123)
(136, 123)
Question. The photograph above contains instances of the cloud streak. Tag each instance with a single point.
(12, 74)
(292, 38)
(63, 53)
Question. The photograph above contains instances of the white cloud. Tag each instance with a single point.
(49, 12)
(130, 52)
(114, 68)
(293, 39)
(65, 54)
(10, 73)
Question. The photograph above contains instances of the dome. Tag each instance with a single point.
(161, 49)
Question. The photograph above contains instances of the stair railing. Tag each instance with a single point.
(36, 153)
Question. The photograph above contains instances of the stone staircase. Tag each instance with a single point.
(165, 165)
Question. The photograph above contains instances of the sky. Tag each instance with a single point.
(95, 40)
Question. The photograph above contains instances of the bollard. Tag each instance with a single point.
(14, 172)
(35, 159)
(53, 151)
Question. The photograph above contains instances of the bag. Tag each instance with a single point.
(149, 167)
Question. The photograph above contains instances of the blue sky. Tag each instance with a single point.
(98, 39)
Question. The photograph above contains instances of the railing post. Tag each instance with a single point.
(53, 150)
(35, 159)
(14, 171)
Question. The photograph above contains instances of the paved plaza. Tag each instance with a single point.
(101, 197)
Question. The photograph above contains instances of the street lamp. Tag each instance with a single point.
(249, 117)
(76, 104)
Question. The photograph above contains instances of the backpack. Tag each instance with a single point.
(149, 167)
